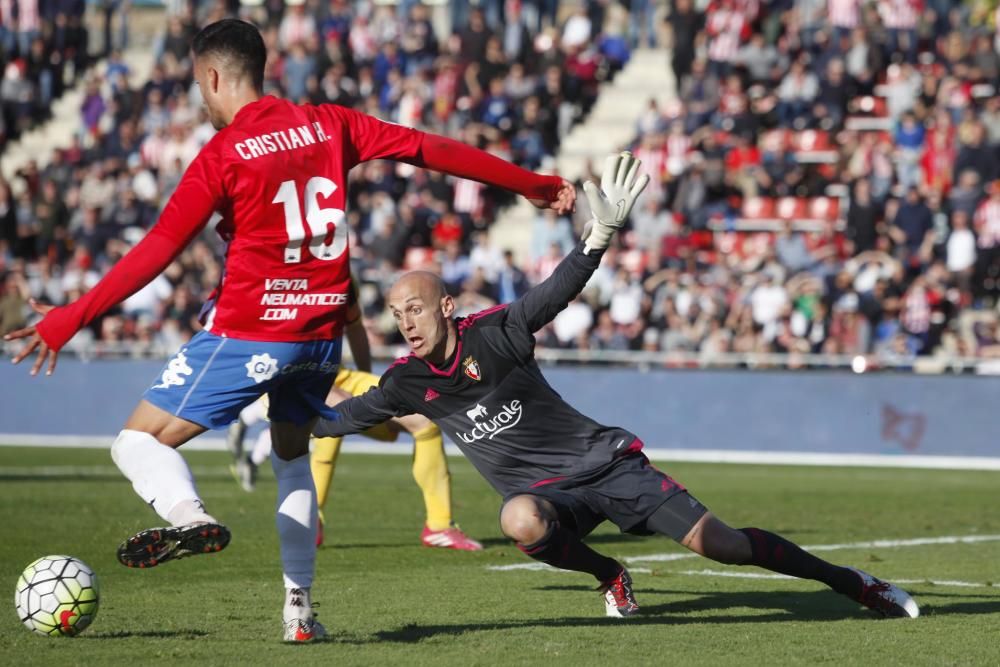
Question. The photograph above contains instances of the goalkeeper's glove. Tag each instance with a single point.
(611, 204)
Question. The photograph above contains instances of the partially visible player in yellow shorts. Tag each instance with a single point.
(430, 467)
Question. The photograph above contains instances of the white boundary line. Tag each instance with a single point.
(214, 443)
(828, 459)
(874, 544)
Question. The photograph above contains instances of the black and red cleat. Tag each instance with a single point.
(619, 600)
(152, 547)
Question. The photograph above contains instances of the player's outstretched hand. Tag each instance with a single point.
(621, 185)
(565, 201)
(36, 342)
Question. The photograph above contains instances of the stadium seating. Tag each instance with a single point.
(782, 178)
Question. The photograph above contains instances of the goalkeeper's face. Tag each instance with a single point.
(423, 310)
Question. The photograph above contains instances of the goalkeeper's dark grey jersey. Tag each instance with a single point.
(490, 396)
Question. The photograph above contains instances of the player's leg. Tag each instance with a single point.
(323, 463)
(294, 405)
(547, 533)
(296, 521)
(204, 386)
(244, 466)
(246, 469)
(145, 452)
(710, 537)
(325, 451)
(235, 436)
(430, 471)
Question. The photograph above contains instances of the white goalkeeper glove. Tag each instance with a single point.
(610, 206)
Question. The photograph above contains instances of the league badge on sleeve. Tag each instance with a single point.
(471, 367)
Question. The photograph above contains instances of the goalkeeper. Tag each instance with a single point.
(561, 473)
(430, 467)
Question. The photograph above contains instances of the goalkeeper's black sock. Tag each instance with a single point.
(775, 553)
(563, 549)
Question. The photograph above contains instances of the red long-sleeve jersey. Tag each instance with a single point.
(278, 176)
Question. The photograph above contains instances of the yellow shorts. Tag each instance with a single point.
(355, 382)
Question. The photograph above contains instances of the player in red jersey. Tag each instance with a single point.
(277, 173)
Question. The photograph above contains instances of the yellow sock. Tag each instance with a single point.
(322, 462)
(430, 470)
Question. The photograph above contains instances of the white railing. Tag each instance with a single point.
(641, 360)
(857, 363)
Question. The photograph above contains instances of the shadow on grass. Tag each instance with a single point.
(488, 542)
(983, 607)
(147, 634)
(697, 608)
(775, 607)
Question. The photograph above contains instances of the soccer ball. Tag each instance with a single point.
(57, 596)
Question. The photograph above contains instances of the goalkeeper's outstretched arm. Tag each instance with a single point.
(357, 414)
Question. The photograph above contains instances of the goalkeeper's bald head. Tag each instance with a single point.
(423, 310)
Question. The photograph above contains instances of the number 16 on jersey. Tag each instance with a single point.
(327, 231)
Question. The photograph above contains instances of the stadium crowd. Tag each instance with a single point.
(826, 180)
(43, 50)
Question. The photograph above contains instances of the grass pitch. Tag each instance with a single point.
(386, 600)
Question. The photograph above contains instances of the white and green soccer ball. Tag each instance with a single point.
(57, 596)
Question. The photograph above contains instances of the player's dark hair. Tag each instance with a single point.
(238, 44)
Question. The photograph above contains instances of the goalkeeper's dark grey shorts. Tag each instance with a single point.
(627, 493)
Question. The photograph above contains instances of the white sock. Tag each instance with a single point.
(261, 448)
(160, 475)
(298, 604)
(296, 520)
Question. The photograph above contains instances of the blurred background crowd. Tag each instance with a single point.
(825, 181)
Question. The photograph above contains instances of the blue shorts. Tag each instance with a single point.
(212, 378)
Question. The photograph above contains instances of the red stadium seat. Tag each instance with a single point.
(808, 141)
(868, 113)
(813, 146)
(757, 208)
(744, 244)
(824, 208)
(791, 208)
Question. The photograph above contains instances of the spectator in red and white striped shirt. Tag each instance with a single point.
(916, 315)
(727, 27)
(986, 223)
(843, 16)
(468, 201)
(653, 154)
(987, 220)
(678, 148)
(28, 25)
(900, 19)
(7, 39)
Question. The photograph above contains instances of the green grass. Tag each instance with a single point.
(387, 601)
